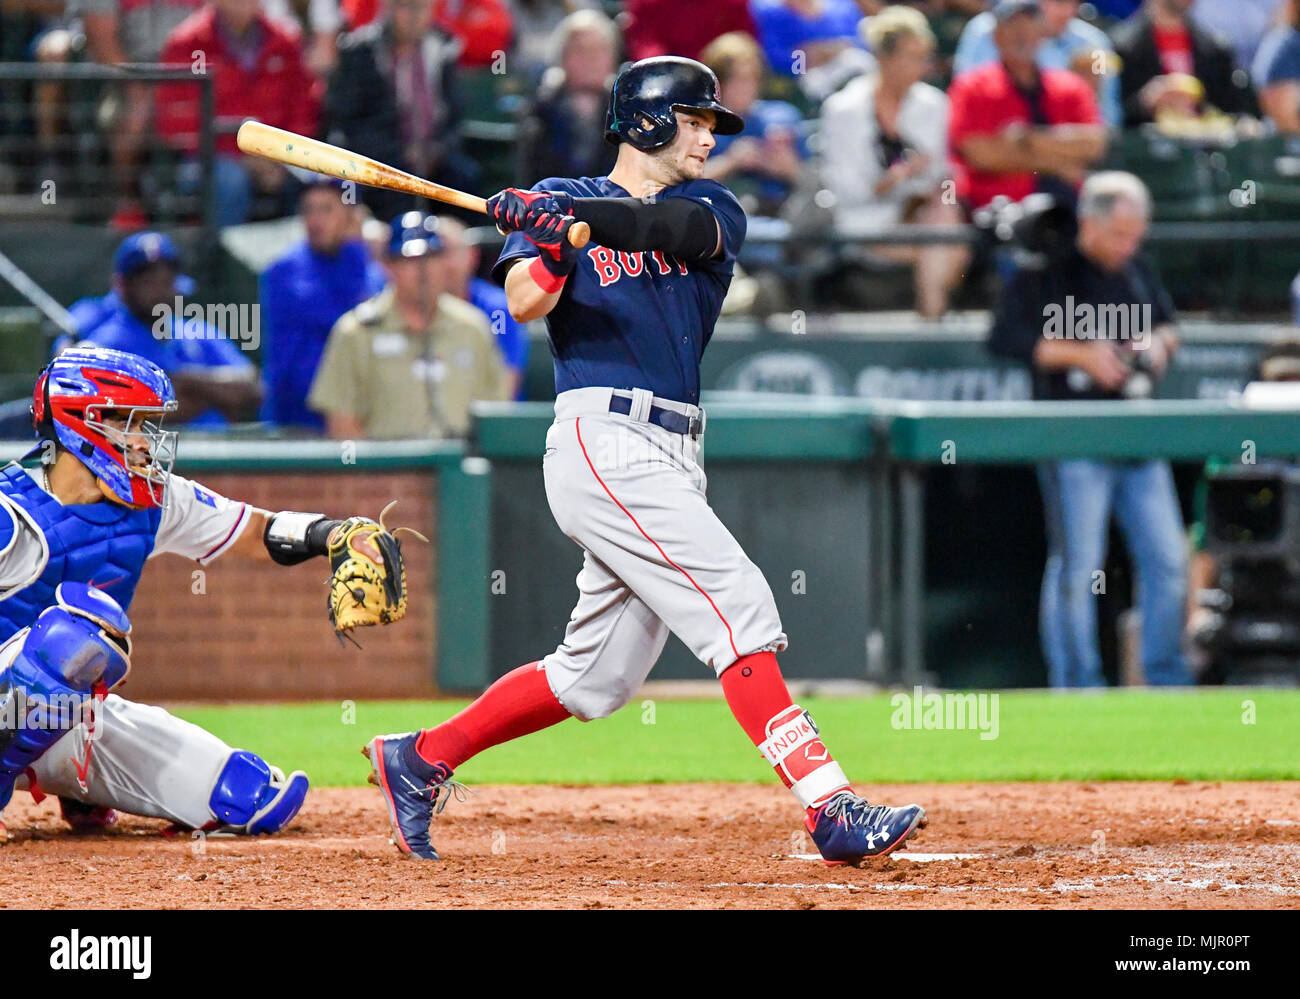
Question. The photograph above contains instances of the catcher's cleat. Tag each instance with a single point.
(847, 828)
(86, 818)
(411, 800)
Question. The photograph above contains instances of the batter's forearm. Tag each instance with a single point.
(525, 298)
(685, 228)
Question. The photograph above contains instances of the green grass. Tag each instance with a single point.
(1117, 735)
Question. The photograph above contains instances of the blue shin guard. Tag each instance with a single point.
(252, 797)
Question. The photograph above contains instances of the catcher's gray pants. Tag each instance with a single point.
(657, 558)
(144, 761)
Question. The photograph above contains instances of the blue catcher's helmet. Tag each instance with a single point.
(83, 385)
(647, 93)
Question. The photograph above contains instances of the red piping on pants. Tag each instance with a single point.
(578, 429)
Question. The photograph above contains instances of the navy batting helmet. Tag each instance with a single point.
(647, 93)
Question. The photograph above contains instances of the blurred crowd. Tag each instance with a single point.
(879, 104)
(859, 114)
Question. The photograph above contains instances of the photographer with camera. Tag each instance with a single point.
(1093, 322)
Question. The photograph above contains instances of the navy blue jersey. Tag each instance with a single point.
(637, 320)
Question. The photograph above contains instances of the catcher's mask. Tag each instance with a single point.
(106, 407)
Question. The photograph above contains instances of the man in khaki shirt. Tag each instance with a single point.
(411, 360)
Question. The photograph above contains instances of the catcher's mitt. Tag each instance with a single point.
(368, 581)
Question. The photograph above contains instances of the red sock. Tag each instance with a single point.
(757, 695)
(519, 703)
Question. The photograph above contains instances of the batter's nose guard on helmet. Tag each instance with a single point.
(646, 94)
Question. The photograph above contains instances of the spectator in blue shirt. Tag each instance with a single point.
(461, 260)
(1065, 36)
(146, 314)
(1242, 23)
(305, 292)
(814, 41)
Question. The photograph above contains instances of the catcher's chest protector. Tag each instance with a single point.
(102, 544)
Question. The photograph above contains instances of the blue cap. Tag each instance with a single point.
(414, 234)
(141, 249)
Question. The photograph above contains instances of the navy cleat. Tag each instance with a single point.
(410, 798)
(847, 828)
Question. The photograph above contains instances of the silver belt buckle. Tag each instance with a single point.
(695, 429)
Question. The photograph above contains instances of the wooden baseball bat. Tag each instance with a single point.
(293, 149)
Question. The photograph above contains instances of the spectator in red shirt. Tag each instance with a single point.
(258, 73)
(681, 27)
(1159, 44)
(483, 27)
(1014, 128)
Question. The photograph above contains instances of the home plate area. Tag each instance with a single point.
(1024, 845)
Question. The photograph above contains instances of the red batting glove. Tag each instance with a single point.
(556, 258)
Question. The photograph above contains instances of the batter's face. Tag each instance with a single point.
(683, 159)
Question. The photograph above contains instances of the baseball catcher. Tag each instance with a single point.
(75, 533)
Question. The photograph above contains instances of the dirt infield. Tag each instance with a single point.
(1130, 845)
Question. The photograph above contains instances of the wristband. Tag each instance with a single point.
(295, 537)
(544, 277)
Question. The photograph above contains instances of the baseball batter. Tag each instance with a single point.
(75, 533)
(629, 317)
